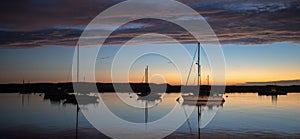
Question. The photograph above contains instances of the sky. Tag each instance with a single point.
(259, 39)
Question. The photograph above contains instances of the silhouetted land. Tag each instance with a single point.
(53, 88)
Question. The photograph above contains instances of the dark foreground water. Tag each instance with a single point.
(244, 115)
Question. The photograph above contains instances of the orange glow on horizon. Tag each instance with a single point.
(233, 77)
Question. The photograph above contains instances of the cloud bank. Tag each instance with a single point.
(37, 23)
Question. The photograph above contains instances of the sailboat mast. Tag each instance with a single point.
(77, 63)
(199, 66)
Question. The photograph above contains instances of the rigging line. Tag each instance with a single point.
(187, 80)
(69, 75)
(143, 79)
(194, 80)
(186, 116)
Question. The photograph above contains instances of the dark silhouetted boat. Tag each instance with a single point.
(271, 92)
(204, 96)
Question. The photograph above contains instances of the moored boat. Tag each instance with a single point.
(204, 96)
(272, 91)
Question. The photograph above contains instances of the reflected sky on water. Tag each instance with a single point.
(242, 114)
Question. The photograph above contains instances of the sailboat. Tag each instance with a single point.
(204, 99)
(145, 89)
(271, 91)
(204, 96)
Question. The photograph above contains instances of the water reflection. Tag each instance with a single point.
(242, 115)
(138, 109)
(274, 99)
(62, 98)
(155, 98)
(69, 98)
(200, 103)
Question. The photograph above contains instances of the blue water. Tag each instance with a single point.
(242, 115)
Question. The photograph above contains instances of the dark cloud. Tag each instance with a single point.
(28, 15)
(32, 23)
(39, 38)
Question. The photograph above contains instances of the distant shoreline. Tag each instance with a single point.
(136, 87)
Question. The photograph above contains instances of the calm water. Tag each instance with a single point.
(242, 115)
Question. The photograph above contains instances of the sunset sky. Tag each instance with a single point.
(260, 40)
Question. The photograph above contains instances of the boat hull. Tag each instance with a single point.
(267, 93)
(203, 100)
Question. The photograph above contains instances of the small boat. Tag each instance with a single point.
(272, 91)
(145, 91)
